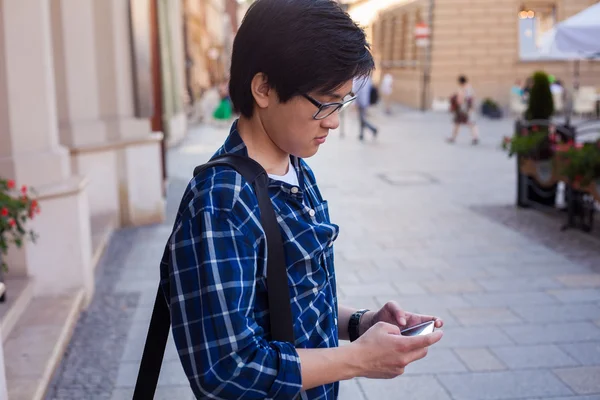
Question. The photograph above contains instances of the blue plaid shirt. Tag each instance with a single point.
(213, 273)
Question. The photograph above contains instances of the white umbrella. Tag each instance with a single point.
(580, 34)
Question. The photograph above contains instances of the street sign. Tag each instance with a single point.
(422, 34)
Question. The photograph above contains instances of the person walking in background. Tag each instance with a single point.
(362, 87)
(387, 87)
(462, 106)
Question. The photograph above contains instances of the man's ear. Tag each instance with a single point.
(260, 90)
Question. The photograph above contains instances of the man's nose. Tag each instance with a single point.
(332, 121)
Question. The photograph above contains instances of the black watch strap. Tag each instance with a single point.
(354, 324)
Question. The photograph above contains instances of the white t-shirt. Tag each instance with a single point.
(290, 177)
(386, 84)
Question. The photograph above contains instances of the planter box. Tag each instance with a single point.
(544, 172)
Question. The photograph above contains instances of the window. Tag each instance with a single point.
(403, 38)
(392, 48)
(414, 50)
(534, 22)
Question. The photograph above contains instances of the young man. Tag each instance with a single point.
(362, 87)
(292, 70)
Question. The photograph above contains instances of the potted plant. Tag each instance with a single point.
(581, 166)
(534, 140)
(16, 208)
(491, 109)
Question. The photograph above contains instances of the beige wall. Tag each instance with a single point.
(478, 38)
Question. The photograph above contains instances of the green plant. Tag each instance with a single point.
(490, 104)
(541, 103)
(536, 143)
(581, 164)
(16, 208)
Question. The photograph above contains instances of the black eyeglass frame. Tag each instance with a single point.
(321, 106)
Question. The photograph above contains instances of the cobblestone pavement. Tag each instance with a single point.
(425, 223)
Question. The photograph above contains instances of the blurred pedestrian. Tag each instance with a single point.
(224, 109)
(387, 87)
(462, 106)
(363, 87)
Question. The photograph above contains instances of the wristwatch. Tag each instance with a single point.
(354, 323)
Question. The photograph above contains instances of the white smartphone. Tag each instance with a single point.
(423, 328)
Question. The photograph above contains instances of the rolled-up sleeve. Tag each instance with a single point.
(212, 281)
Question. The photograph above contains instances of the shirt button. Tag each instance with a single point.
(294, 190)
(312, 213)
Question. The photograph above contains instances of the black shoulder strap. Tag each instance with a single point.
(280, 311)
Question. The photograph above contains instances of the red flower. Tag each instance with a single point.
(10, 184)
(24, 189)
(11, 223)
(34, 204)
(38, 210)
(4, 211)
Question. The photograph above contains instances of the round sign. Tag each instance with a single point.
(422, 31)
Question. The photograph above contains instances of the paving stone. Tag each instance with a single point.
(480, 359)
(437, 361)
(397, 276)
(409, 288)
(576, 295)
(351, 390)
(518, 285)
(360, 302)
(563, 313)
(171, 374)
(162, 393)
(580, 280)
(462, 272)
(586, 353)
(483, 336)
(485, 316)
(503, 385)
(583, 380)
(553, 333)
(419, 387)
(425, 302)
(503, 300)
(452, 287)
(540, 356)
(372, 289)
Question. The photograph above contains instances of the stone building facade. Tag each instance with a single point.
(82, 83)
(487, 40)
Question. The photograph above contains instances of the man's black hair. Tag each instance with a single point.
(462, 79)
(302, 46)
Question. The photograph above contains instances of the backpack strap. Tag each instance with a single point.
(280, 311)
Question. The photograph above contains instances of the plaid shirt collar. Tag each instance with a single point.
(235, 145)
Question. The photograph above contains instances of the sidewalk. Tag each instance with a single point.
(427, 224)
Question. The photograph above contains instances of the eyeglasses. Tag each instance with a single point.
(325, 110)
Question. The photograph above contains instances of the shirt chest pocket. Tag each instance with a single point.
(309, 238)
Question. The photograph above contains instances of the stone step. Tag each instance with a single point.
(19, 292)
(35, 347)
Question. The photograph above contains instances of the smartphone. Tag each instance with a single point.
(420, 329)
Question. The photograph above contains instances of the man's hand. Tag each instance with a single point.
(391, 313)
(382, 353)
